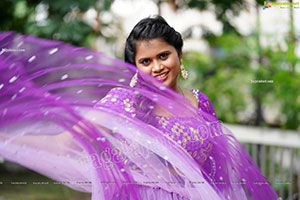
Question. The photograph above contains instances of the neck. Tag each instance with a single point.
(175, 88)
(178, 90)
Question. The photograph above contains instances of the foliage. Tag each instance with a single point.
(53, 19)
(223, 9)
(225, 76)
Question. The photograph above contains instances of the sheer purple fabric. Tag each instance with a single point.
(69, 113)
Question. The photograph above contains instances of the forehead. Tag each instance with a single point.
(146, 48)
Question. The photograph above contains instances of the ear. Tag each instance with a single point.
(180, 56)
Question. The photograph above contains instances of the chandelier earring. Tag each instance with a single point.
(184, 72)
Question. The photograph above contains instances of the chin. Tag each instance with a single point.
(169, 84)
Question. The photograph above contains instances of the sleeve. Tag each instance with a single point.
(120, 100)
(205, 104)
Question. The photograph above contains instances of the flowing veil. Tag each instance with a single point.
(69, 113)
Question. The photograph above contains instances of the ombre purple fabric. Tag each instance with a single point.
(69, 113)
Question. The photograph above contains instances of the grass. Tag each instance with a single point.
(30, 191)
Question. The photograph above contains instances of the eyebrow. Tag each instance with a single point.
(166, 51)
(142, 59)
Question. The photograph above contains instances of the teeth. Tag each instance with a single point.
(163, 75)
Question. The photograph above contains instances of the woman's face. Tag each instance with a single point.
(159, 59)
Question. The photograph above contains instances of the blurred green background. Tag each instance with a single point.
(223, 71)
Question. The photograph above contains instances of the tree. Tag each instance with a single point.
(52, 19)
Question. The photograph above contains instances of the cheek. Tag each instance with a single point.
(146, 70)
(173, 64)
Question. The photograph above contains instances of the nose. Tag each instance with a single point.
(157, 67)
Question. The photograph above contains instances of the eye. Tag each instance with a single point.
(145, 61)
(163, 56)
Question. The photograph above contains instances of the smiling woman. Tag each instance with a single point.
(159, 59)
(155, 49)
(119, 131)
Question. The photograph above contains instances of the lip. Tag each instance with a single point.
(163, 78)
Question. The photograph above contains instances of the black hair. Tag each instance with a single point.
(151, 28)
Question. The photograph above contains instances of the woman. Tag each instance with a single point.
(145, 139)
(156, 49)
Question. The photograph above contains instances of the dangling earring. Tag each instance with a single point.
(184, 73)
(133, 80)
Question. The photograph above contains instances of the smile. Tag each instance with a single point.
(162, 77)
